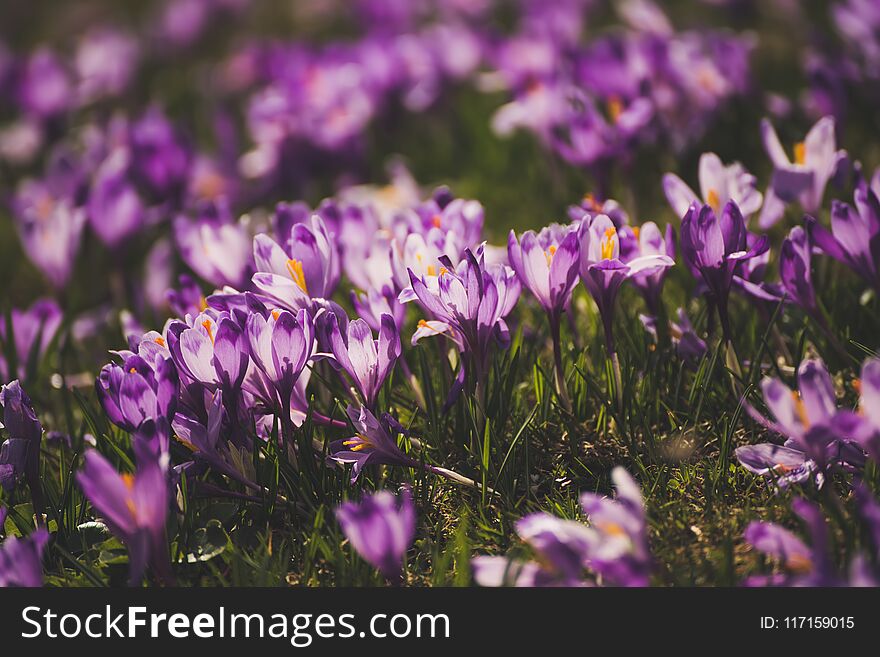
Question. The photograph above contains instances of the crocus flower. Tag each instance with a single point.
(33, 330)
(854, 238)
(381, 528)
(374, 443)
(305, 267)
(688, 344)
(713, 246)
(795, 270)
(281, 347)
(719, 183)
(20, 453)
(468, 304)
(603, 272)
(815, 161)
(21, 558)
(547, 264)
(647, 240)
(50, 224)
(620, 554)
(45, 87)
(214, 245)
(818, 434)
(141, 390)
(134, 506)
(115, 208)
(805, 566)
(203, 440)
(562, 548)
(212, 351)
(614, 546)
(367, 362)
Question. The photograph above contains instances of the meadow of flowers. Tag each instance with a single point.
(440, 292)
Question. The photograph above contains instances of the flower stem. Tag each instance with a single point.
(559, 377)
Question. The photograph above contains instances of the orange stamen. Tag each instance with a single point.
(800, 408)
(436, 221)
(800, 153)
(160, 341)
(615, 108)
(207, 325)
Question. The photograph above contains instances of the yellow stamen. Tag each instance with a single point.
(432, 270)
(636, 231)
(133, 370)
(799, 563)
(275, 315)
(295, 268)
(591, 203)
(360, 442)
(800, 153)
(607, 246)
(436, 221)
(160, 341)
(128, 480)
(443, 270)
(203, 304)
(422, 323)
(713, 200)
(800, 408)
(549, 253)
(615, 108)
(207, 325)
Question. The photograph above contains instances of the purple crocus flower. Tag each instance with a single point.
(854, 238)
(50, 224)
(33, 330)
(212, 352)
(620, 554)
(688, 344)
(468, 304)
(141, 390)
(374, 443)
(281, 346)
(795, 270)
(547, 264)
(719, 183)
(815, 161)
(214, 245)
(713, 246)
(805, 566)
(115, 208)
(367, 362)
(614, 546)
(105, 61)
(159, 159)
(203, 440)
(818, 435)
(20, 453)
(381, 528)
(21, 558)
(135, 507)
(647, 240)
(561, 546)
(603, 272)
(44, 88)
(305, 267)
